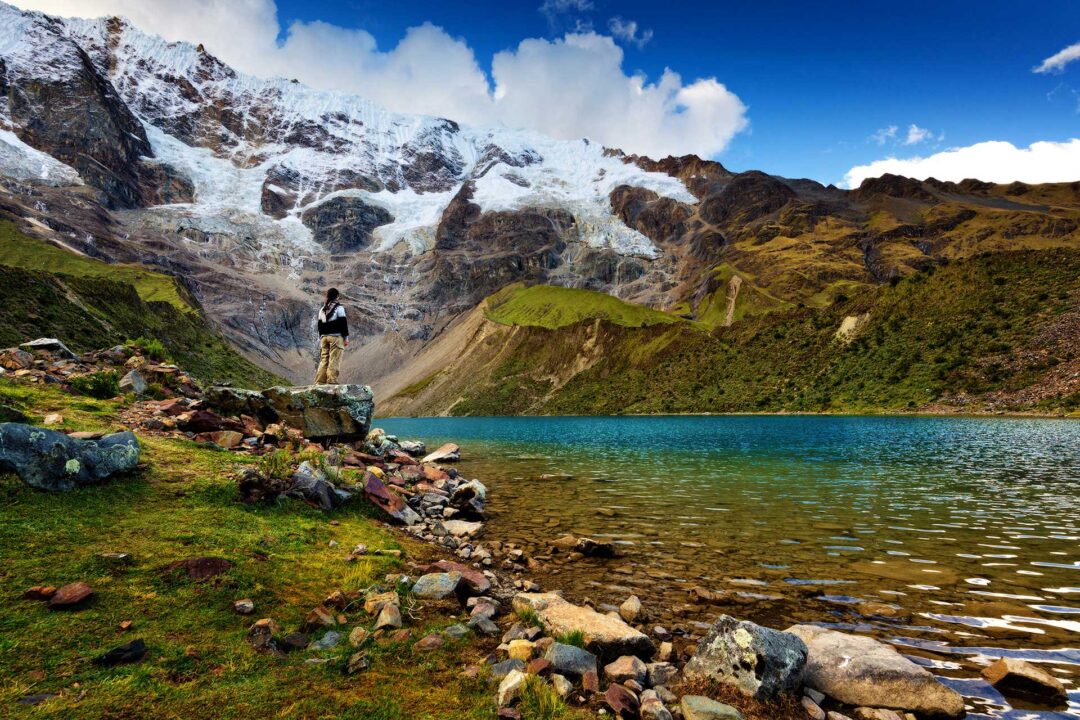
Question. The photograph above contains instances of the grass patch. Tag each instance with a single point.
(553, 307)
(573, 637)
(539, 701)
(101, 385)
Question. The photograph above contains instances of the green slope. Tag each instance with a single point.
(552, 307)
(998, 328)
(76, 300)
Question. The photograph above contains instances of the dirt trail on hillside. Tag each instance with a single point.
(732, 295)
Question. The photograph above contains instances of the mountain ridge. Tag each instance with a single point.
(258, 194)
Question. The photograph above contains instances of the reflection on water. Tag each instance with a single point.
(957, 539)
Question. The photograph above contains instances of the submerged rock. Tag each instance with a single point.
(448, 453)
(1019, 677)
(861, 671)
(49, 460)
(760, 662)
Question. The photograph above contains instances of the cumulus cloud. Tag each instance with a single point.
(627, 31)
(569, 87)
(916, 135)
(885, 134)
(1058, 61)
(993, 161)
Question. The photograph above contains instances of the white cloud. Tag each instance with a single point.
(569, 88)
(1058, 61)
(556, 12)
(885, 134)
(916, 135)
(992, 161)
(627, 31)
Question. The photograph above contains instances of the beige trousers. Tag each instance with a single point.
(330, 349)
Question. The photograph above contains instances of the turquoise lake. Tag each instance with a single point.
(955, 539)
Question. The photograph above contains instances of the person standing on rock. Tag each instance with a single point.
(333, 338)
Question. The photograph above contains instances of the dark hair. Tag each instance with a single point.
(331, 294)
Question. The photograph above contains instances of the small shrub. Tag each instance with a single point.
(151, 347)
(278, 464)
(573, 637)
(539, 701)
(101, 385)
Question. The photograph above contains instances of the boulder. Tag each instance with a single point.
(324, 412)
(312, 486)
(606, 636)
(235, 402)
(15, 359)
(630, 609)
(1018, 677)
(133, 382)
(388, 501)
(437, 586)
(698, 707)
(569, 660)
(50, 345)
(760, 662)
(470, 499)
(861, 671)
(448, 453)
(50, 460)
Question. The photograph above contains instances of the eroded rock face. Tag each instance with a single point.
(344, 224)
(324, 411)
(607, 636)
(49, 460)
(861, 671)
(760, 662)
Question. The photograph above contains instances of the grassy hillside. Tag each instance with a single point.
(991, 332)
(552, 307)
(89, 305)
(183, 505)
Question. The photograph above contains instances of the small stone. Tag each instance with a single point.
(358, 636)
(816, 696)
(627, 667)
(562, 686)
(864, 713)
(456, 632)
(652, 707)
(697, 707)
(244, 606)
(622, 702)
(510, 687)
(131, 652)
(332, 638)
(484, 626)
(833, 715)
(319, 617)
(437, 586)
(39, 592)
(429, 642)
(665, 652)
(1019, 677)
(572, 661)
(358, 662)
(520, 650)
(294, 641)
(53, 419)
(502, 669)
(630, 609)
(661, 673)
(813, 710)
(125, 625)
(590, 682)
(389, 617)
(116, 558)
(373, 604)
(261, 633)
(538, 666)
(70, 596)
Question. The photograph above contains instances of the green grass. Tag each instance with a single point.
(101, 385)
(553, 307)
(22, 251)
(540, 702)
(199, 665)
(573, 637)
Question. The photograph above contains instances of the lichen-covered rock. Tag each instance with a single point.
(322, 412)
(760, 662)
(49, 460)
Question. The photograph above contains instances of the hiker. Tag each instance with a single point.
(333, 338)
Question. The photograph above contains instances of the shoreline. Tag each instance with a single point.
(1020, 414)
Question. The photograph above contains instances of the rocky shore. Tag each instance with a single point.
(315, 444)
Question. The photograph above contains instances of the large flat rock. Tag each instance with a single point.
(605, 635)
(341, 412)
(861, 671)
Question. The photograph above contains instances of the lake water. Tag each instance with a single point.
(956, 539)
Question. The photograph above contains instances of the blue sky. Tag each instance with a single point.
(832, 91)
(819, 79)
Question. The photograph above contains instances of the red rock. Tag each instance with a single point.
(473, 582)
(434, 474)
(538, 666)
(39, 592)
(125, 625)
(200, 568)
(429, 642)
(70, 595)
(590, 682)
(400, 458)
(411, 472)
(319, 617)
(400, 636)
(506, 713)
(226, 438)
(622, 702)
(389, 502)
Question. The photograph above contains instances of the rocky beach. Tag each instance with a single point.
(638, 656)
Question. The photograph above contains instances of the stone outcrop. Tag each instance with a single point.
(344, 224)
(338, 412)
(606, 636)
(49, 460)
(760, 662)
(861, 671)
